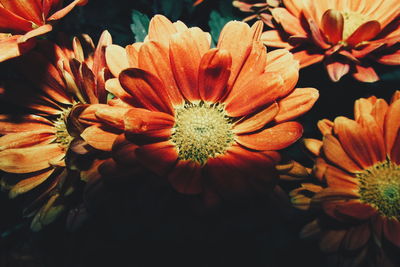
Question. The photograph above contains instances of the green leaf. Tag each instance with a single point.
(216, 23)
(140, 25)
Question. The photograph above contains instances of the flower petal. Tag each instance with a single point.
(158, 157)
(186, 177)
(332, 24)
(214, 73)
(116, 59)
(391, 229)
(100, 137)
(256, 121)
(392, 125)
(365, 74)
(364, 32)
(274, 138)
(29, 182)
(27, 139)
(29, 159)
(147, 90)
(296, 104)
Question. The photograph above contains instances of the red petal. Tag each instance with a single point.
(274, 138)
(392, 125)
(158, 157)
(214, 73)
(391, 229)
(364, 32)
(186, 177)
(147, 90)
(10, 21)
(365, 74)
(332, 25)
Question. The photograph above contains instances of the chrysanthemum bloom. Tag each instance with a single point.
(34, 145)
(259, 8)
(358, 168)
(347, 36)
(21, 20)
(208, 119)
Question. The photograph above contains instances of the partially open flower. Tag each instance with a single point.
(358, 186)
(22, 20)
(347, 36)
(210, 120)
(34, 144)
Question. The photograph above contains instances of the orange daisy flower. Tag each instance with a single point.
(347, 36)
(21, 20)
(259, 8)
(209, 119)
(358, 166)
(34, 145)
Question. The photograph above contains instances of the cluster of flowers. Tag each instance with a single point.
(210, 121)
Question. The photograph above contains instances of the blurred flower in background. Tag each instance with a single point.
(358, 184)
(61, 82)
(259, 8)
(21, 20)
(347, 36)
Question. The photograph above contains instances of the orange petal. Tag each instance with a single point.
(325, 126)
(158, 157)
(356, 210)
(313, 145)
(185, 54)
(392, 125)
(9, 21)
(186, 177)
(255, 122)
(332, 25)
(334, 152)
(316, 35)
(379, 112)
(116, 59)
(364, 32)
(35, 32)
(147, 90)
(29, 182)
(114, 87)
(254, 95)
(214, 73)
(363, 146)
(274, 138)
(12, 124)
(99, 137)
(64, 11)
(113, 116)
(143, 126)
(154, 58)
(289, 23)
(235, 30)
(161, 30)
(306, 58)
(337, 178)
(27, 139)
(365, 74)
(274, 38)
(282, 61)
(296, 104)
(336, 69)
(29, 159)
(390, 59)
(253, 67)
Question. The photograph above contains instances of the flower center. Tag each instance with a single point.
(201, 131)
(352, 21)
(380, 187)
(63, 138)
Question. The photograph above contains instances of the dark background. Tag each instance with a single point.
(151, 225)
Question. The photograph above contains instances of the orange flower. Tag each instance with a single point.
(358, 166)
(209, 119)
(21, 20)
(34, 145)
(198, 2)
(346, 35)
(259, 8)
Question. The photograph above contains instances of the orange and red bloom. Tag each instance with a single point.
(22, 20)
(347, 36)
(358, 169)
(34, 144)
(210, 120)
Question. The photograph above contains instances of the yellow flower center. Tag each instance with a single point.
(352, 21)
(63, 138)
(201, 131)
(380, 187)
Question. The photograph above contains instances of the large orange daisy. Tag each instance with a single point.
(21, 20)
(60, 82)
(347, 36)
(208, 119)
(358, 166)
